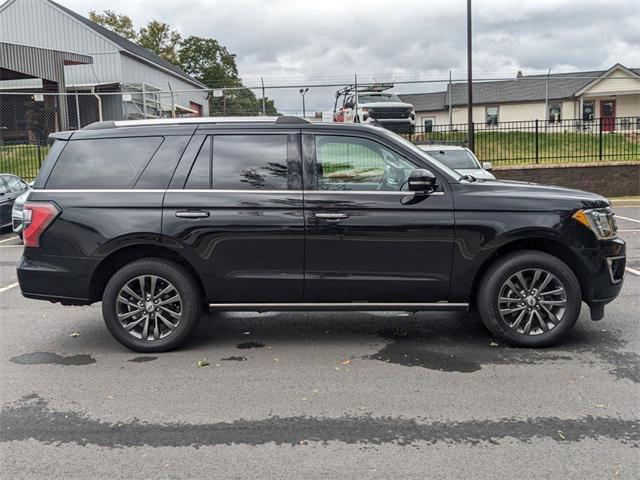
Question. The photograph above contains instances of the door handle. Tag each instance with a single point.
(192, 214)
(332, 217)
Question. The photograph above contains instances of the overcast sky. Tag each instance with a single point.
(323, 40)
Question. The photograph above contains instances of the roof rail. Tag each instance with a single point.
(283, 119)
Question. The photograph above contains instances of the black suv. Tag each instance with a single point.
(159, 219)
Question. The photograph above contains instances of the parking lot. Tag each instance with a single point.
(317, 395)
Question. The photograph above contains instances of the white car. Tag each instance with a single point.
(460, 159)
(383, 108)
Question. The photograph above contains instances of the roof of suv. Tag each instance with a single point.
(286, 120)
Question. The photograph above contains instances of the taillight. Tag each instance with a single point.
(37, 216)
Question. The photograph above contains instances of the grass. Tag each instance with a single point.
(22, 160)
(518, 148)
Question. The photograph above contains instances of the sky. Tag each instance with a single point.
(316, 41)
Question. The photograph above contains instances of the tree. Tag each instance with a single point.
(212, 64)
(116, 22)
(161, 40)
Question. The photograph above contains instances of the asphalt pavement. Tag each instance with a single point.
(318, 395)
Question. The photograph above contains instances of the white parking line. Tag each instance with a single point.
(628, 219)
(7, 239)
(8, 287)
(632, 271)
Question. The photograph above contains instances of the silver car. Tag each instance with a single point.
(461, 159)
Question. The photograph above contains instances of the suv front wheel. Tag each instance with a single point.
(529, 299)
(151, 305)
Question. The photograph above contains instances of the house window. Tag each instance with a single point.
(428, 125)
(555, 110)
(492, 115)
(588, 110)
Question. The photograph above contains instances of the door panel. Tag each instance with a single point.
(608, 114)
(375, 245)
(247, 243)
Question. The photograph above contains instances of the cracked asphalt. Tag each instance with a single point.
(318, 395)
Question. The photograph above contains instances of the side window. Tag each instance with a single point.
(103, 163)
(247, 162)
(13, 183)
(3, 187)
(352, 163)
(200, 174)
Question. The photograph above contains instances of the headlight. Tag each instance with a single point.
(599, 220)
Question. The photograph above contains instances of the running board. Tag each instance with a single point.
(338, 306)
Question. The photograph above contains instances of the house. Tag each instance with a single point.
(123, 80)
(582, 96)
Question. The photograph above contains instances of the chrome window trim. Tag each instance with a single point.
(186, 190)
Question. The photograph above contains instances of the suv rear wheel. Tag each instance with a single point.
(529, 299)
(151, 305)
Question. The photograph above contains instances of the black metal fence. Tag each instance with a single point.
(539, 141)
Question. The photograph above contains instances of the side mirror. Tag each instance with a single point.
(348, 105)
(487, 166)
(422, 180)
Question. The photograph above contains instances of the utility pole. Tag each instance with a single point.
(471, 133)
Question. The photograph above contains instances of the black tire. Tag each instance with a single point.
(190, 304)
(502, 270)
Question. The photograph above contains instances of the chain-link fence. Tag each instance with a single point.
(422, 111)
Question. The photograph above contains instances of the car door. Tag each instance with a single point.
(235, 212)
(5, 203)
(367, 238)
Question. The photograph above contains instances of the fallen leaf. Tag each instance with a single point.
(304, 399)
(346, 362)
(110, 397)
(599, 405)
(561, 434)
(75, 334)
(275, 359)
(202, 363)
(361, 408)
(616, 472)
(493, 344)
(337, 368)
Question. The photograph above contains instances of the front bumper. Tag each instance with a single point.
(605, 266)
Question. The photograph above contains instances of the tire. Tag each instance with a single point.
(500, 306)
(180, 305)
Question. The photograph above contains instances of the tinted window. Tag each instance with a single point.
(3, 187)
(351, 163)
(244, 162)
(200, 175)
(103, 163)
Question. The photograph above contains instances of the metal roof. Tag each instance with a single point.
(128, 46)
(23, 61)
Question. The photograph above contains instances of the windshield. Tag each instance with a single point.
(455, 158)
(378, 98)
(452, 173)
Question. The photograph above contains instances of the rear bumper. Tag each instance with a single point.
(59, 279)
(605, 270)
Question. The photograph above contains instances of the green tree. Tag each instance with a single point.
(161, 40)
(116, 22)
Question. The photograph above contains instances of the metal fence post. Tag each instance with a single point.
(537, 141)
(600, 139)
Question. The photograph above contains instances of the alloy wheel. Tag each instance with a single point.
(149, 307)
(532, 301)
